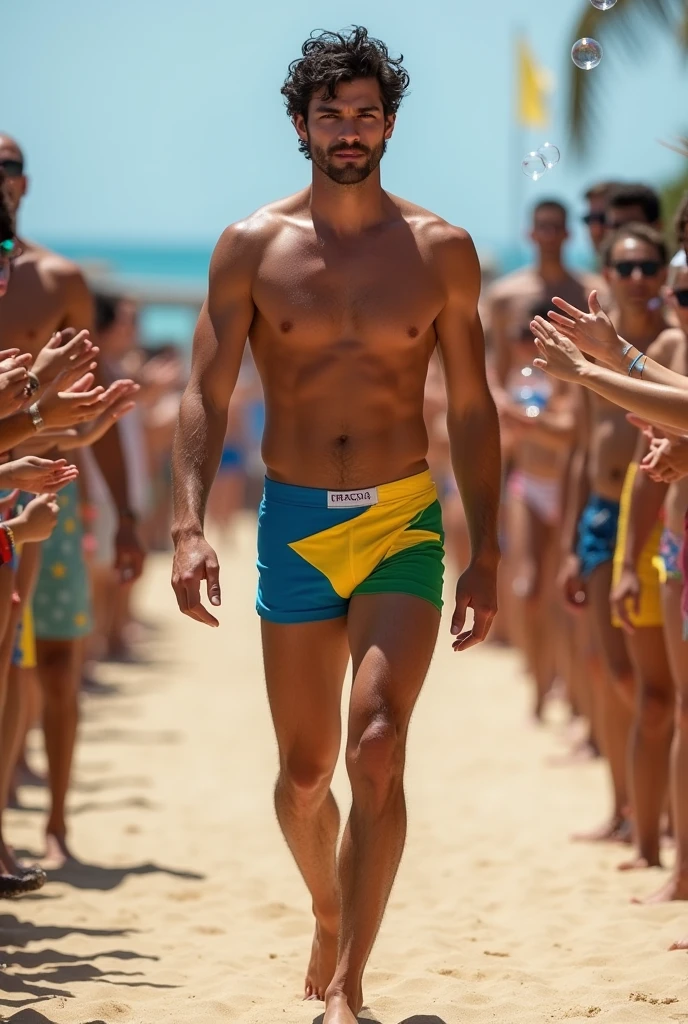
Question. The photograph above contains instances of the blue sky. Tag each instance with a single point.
(161, 120)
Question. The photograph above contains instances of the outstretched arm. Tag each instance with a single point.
(595, 334)
(473, 427)
(219, 342)
(656, 403)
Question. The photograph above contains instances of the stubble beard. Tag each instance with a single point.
(346, 173)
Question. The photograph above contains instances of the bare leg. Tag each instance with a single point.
(531, 547)
(677, 886)
(305, 666)
(59, 667)
(616, 700)
(11, 703)
(650, 742)
(392, 638)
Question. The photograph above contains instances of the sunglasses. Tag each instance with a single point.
(12, 168)
(681, 296)
(648, 268)
(594, 218)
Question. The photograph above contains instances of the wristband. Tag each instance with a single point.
(636, 360)
(36, 418)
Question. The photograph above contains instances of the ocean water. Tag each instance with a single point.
(184, 267)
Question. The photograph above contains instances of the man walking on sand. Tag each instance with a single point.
(344, 292)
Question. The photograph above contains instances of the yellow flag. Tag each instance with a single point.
(533, 87)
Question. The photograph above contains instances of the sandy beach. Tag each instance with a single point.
(189, 908)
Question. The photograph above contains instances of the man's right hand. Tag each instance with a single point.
(195, 560)
(592, 332)
(571, 584)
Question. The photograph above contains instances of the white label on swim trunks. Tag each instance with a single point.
(352, 499)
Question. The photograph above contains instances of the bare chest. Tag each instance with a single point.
(374, 294)
(32, 310)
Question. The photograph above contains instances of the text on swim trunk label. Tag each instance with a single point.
(352, 499)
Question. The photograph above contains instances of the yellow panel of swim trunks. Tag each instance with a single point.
(650, 613)
(347, 553)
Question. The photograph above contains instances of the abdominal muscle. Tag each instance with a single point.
(344, 415)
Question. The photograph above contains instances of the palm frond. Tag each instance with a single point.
(624, 28)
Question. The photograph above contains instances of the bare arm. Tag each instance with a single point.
(648, 495)
(656, 403)
(219, 342)
(473, 428)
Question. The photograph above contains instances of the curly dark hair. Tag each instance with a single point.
(6, 218)
(329, 58)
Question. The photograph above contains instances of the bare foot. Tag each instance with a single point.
(57, 853)
(618, 830)
(639, 864)
(675, 889)
(338, 1011)
(322, 963)
(681, 944)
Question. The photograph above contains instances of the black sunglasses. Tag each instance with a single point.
(12, 168)
(594, 218)
(681, 296)
(648, 268)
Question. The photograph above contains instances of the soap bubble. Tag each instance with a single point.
(550, 155)
(603, 5)
(534, 166)
(586, 53)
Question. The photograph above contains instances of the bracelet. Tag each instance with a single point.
(642, 368)
(626, 350)
(33, 384)
(637, 359)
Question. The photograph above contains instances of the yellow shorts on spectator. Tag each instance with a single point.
(24, 655)
(650, 613)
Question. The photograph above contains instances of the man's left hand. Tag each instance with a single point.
(476, 589)
(129, 553)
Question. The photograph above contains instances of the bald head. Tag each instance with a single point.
(12, 164)
(8, 146)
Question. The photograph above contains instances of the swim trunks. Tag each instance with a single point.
(650, 612)
(597, 533)
(62, 603)
(317, 549)
(542, 495)
(668, 561)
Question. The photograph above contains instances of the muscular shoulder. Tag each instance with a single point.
(241, 244)
(62, 272)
